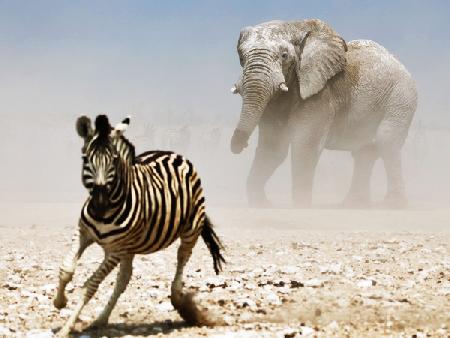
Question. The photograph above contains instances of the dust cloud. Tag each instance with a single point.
(44, 165)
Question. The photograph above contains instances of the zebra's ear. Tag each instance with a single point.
(120, 128)
(84, 128)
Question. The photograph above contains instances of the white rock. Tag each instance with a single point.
(84, 318)
(228, 320)
(258, 271)
(333, 325)
(284, 290)
(313, 283)
(444, 291)
(215, 281)
(40, 333)
(239, 269)
(48, 287)
(245, 317)
(365, 283)
(4, 331)
(164, 307)
(331, 268)
(250, 286)
(154, 293)
(233, 286)
(272, 298)
(65, 313)
(409, 284)
(289, 269)
(307, 331)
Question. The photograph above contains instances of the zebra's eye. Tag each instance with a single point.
(284, 56)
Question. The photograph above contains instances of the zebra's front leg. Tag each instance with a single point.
(88, 291)
(80, 241)
(123, 278)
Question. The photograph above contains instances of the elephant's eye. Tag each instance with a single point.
(284, 55)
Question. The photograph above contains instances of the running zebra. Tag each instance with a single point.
(136, 205)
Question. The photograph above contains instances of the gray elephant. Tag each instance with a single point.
(306, 89)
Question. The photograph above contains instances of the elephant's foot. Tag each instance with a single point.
(301, 203)
(395, 201)
(259, 200)
(301, 200)
(354, 201)
(60, 302)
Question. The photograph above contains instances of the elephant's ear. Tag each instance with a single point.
(243, 35)
(320, 55)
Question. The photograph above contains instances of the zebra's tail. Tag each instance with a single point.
(213, 243)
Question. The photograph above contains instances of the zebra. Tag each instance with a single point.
(136, 205)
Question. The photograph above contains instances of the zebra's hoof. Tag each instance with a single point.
(60, 302)
(98, 323)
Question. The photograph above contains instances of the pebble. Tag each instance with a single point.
(164, 307)
(307, 331)
(37, 333)
(365, 283)
(314, 283)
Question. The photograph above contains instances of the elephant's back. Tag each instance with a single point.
(374, 61)
(373, 83)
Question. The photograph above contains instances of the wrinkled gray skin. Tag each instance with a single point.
(306, 89)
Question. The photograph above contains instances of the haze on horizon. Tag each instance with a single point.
(170, 61)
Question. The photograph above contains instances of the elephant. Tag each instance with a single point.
(308, 90)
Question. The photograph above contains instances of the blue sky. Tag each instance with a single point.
(70, 57)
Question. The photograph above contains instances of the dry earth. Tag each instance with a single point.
(290, 273)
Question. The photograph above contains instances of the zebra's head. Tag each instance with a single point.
(104, 150)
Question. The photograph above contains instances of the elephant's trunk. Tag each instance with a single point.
(258, 87)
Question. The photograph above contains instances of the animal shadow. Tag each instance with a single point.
(132, 329)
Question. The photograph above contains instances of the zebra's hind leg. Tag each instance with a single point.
(80, 241)
(123, 278)
(182, 302)
(183, 255)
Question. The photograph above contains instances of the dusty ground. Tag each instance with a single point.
(290, 273)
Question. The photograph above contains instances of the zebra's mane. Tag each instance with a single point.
(125, 148)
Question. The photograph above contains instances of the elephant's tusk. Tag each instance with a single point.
(234, 90)
(283, 87)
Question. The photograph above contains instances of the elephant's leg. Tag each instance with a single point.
(395, 195)
(363, 162)
(272, 149)
(390, 139)
(310, 130)
(80, 241)
(304, 162)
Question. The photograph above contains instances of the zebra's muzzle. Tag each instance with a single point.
(100, 199)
